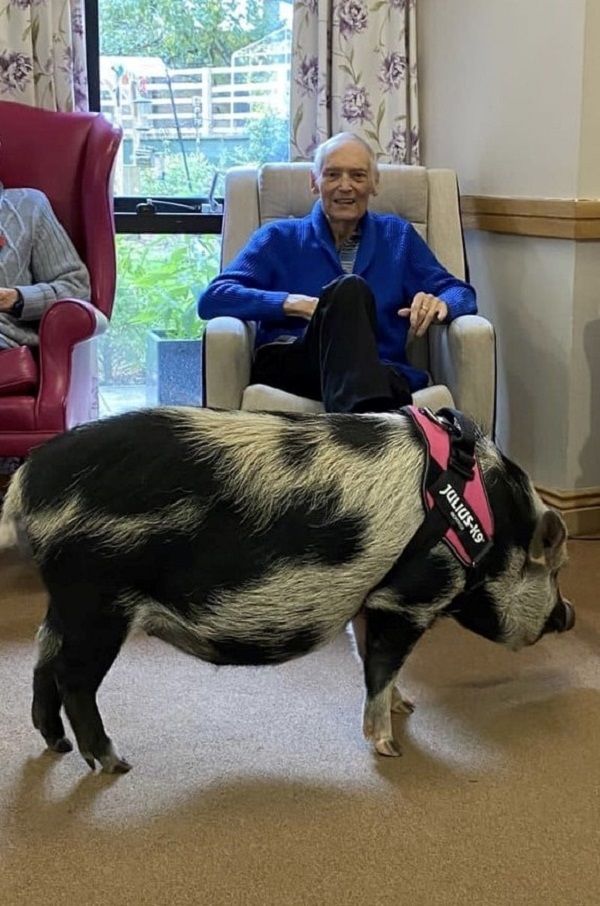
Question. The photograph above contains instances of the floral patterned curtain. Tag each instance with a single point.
(354, 69)
(42, 53)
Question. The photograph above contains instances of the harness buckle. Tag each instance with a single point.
(462, 460)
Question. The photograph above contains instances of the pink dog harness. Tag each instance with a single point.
(456, 503)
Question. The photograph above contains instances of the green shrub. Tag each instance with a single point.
(159, 279)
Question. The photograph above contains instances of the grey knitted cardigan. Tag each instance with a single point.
(37, 258)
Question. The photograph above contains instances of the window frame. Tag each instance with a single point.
(128, 219)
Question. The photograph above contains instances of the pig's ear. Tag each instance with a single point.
(549, 536)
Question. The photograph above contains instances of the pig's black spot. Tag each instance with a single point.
(421, 579)
(233, 651)
(509, 493)
(476, 611)
(363, 434)
(308, 418)
(298, 449)
(127, 465)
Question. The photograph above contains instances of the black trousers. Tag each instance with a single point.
(336, 361)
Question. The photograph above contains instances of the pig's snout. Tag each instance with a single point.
(562, 617)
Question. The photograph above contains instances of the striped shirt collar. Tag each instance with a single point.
(348, 250)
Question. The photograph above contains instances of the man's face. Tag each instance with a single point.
(345, 183)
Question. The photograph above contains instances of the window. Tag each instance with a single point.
(159, 278)
(197, 86)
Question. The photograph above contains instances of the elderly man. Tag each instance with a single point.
(361, 281)
(38, 265)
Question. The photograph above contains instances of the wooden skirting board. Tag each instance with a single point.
(552, 218)
(580, 509)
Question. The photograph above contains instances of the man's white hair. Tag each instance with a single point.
(334, 142)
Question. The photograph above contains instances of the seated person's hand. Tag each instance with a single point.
(425, 309)
(8, 297)
(300, 306)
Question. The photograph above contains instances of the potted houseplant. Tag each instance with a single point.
(174, 362)
(173, 329)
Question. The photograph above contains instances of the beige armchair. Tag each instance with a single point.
(460, 357)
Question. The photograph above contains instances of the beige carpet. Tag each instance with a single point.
(255, 786)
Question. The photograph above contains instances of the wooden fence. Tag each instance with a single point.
(153, 103)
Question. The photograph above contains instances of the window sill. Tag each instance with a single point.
(168, 222)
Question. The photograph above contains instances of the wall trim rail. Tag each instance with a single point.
(580, 508)
(552, 218)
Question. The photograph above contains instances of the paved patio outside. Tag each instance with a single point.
(117, 398)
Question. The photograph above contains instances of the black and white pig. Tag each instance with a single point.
(245, 538)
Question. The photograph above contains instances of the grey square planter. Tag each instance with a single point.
(173, 370)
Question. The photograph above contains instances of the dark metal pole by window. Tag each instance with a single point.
(92, 50)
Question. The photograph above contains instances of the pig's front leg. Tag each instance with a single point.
(400, 704)
(387, 639)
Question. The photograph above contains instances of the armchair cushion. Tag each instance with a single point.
(18, 371)
(261, 398)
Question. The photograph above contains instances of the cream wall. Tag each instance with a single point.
(522, 285)
(500, 92)
(589, 162)
(510, 98)
(583, 462)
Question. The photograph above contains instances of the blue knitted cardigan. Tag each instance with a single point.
(299, 256)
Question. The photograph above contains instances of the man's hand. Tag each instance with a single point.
(424, 311)
(300, 306)
(8, 297)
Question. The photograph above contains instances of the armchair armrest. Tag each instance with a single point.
(67, 362)
(463, 357)
(226, 361)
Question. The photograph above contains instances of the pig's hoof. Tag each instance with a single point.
(112, 764)
(401, 705)
(89, 760)
(387, 746)
(60, 745)
(119, 766)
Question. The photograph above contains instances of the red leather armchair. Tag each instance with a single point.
(69, 156)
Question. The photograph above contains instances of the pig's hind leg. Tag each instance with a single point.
(47, 702)
(92, 634)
